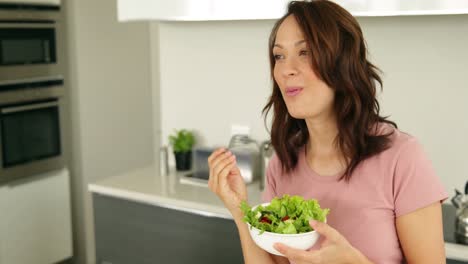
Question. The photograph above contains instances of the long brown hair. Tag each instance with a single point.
(339, 57)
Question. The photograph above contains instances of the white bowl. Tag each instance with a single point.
(266, 240)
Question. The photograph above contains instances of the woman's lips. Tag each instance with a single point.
(293, 91)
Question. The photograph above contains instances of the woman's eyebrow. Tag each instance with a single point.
(295, 44)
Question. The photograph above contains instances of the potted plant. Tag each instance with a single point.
(182, 142)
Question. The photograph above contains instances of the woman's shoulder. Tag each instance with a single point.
(275, 162)
(399, 139)
(275, 165)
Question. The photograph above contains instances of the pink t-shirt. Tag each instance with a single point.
(383, 187)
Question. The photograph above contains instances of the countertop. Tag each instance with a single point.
(145, 185)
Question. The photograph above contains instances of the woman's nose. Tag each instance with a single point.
(290, 67)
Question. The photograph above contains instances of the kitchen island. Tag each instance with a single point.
(142, 217)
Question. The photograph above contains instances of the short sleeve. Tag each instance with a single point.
(415, 183)
(270, 184)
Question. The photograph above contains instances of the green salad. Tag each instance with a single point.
(285, 215)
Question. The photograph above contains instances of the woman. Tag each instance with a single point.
(332, 145)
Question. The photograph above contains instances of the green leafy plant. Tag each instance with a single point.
(182, 140)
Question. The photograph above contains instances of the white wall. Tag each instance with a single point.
(425, 61)
(214, 74)
(110, 104)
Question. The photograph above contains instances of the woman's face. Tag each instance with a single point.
(305, 95)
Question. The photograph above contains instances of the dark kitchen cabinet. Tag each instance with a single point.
(134, 233)
(451, 261)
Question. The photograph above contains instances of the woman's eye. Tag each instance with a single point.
(277, 56)
(303, 53)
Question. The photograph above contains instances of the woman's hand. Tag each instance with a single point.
(334, 249)
(226, 181)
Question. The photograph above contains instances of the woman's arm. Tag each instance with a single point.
(421, 235)
(227, 183)
(252, 253)
(280, 260)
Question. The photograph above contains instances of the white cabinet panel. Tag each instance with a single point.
(36, 220)
(195, 10)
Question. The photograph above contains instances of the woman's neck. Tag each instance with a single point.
(322, 154)
(322, 135)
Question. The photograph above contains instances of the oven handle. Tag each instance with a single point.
(56, 78)
(15, 109)
(38, 25)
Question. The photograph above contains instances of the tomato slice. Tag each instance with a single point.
(265, 220)
(285, 218)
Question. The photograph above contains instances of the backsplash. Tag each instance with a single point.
(215, 74)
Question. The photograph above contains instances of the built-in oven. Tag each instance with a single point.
(31, 129)
(31, 91)
(29, 41)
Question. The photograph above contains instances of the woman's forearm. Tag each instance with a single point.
(252, 253)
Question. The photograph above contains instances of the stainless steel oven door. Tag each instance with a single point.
(29, 44)
(30, 138)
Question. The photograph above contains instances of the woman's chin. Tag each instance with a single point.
(297, 111)
(297, 114)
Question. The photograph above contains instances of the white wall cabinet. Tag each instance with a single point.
(35, 222)
(199, 10)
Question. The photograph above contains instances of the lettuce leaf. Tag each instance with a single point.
(284, 215)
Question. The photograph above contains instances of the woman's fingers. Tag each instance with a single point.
(224, 172)
(217, 161)
(221, 162)
(211, 159)
(297, 255)
(215, 154)
(220, 165)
